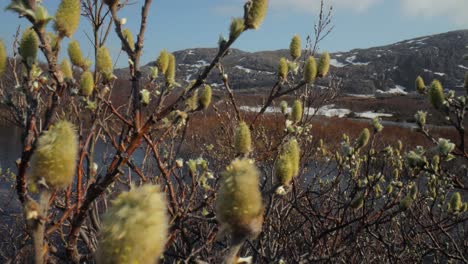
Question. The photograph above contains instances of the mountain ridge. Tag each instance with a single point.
(363, 71)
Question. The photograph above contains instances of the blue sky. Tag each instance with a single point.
(181, 24)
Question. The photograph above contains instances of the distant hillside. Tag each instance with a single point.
(364, 71)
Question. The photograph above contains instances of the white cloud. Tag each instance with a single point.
(311, 6)
(454, 10)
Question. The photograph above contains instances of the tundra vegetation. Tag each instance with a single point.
(262, 189)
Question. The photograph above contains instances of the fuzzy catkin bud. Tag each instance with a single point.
(86, 83)
(323, 65)
(3, 58)
(420, 117)
(28, 45)
(171, 69)
(75, 55)
(204, 99)
(236, 28)
(363, 138)
(192, 101)
(129, 37)
(145, 96)
(283, 69)
(310, 70)
(295, 48)
(54, 159)
(293, 151)
(163, 61)
(436, 94)
(419, 84)
(104, 63)
(256, 14)
(377, 125)
(284, 107)
(135, 229)
(284, 169)
(67, 17)
(296, 112)
(242, 139)
(239, 204)
(66, 69)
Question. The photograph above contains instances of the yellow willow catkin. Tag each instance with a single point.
(436, 94)
(296, 111)
(283, 69)
(256, 14)
(284, 169)
(239, 203)
(294, 153)
(295, 48)
(145, 97)
(236, 28)
(66, 69)
(323, 65)
(192, 101)
(129, 37)
(363, 138)
(204, 99)
(75, 55)
(29, 44)
(3, 58)
(242, 139)
(310, 70)
(104, 63)
(456, 202)
(163, 61)
(86, 83)
(67, 17)
(135, 229)
(419, 84)
(171, 69)
(54, 159)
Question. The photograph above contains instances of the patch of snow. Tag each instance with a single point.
(336, 63)
(190, 52)
(247, 70)
(437, 73)
(326, 110)
(216, 85)
(351, 60)
(463, 67)
(371, 115)
(378, 55)
(202, 63)
(362, 95)
(397, 90)
(243, 69)
(395, 67)
(187, 79)
(338, 55)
